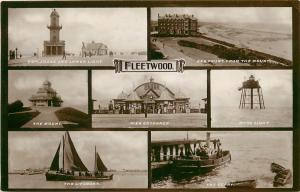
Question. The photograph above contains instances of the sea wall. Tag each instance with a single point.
(230, 52)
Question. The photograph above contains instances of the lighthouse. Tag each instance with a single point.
(251, 94)
(54, 46)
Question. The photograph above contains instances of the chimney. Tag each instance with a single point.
(208, 139)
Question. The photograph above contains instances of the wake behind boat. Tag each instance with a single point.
(72, 166)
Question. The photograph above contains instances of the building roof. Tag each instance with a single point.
(156, 87)
(133, 97)
(54, 13)
(46, 82)
(251, 83)
(122, 95)
(160, 92)
(46, 88)
(165, 96)
(46, 92)
(94, 46)
(177, 16)
(150, 91)
(180, 95)
(44, 98)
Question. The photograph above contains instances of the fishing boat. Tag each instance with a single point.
(202, 159)
(282, 174)
(282, 178)
(251, 183)
(72, 166)
(275, 168)
(196, 164)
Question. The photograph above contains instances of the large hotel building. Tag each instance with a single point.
(177, 25)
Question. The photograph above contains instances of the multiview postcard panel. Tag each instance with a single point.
(223, 36)
(77, 160)
(76, 36)
(48, 99)
(252, 98)
(149, 100)
(233, 160)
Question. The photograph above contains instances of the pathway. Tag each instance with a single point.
(172, 53)
(46, 119)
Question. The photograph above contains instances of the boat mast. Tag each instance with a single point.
(63, 164)
(95, 169)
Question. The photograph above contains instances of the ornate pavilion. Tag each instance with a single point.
(154, 97)
(46, 96)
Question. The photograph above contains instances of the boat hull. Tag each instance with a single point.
(276, 168)
(191, 165)
(160, 169)
(282, 178)
(65, 177)
(242, 184)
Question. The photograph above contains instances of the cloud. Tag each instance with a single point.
(121, 29)
(118, 150)
(70, 85)
(106, 85)
(276, 86)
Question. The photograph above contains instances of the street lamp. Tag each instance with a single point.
(146, 105)
(16, 53)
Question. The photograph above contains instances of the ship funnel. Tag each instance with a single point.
(207, 139)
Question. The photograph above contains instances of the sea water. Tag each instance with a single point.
(235, 117)
(251, 156)
(120, 180)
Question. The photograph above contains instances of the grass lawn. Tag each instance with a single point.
(16, 120)
(180, 120)
(73, 115)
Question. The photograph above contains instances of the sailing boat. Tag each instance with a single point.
(72, 166)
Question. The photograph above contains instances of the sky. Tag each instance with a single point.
(278, 15)
(107, 85)
(117, 149)
(276, 87)
(169, 135)
(71, 85)
(121, 29)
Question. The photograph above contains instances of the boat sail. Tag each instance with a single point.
(72, 160)
(55, 161)
(72, 166)
(99, 165)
